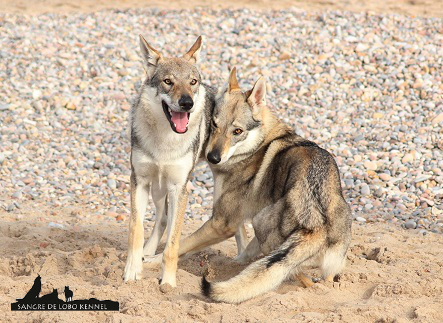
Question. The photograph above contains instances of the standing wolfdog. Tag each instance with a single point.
(169, 126)
(287, 185)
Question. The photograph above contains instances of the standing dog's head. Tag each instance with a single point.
(237, 121)
(176, 80)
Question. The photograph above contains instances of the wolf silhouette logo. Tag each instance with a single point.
(51, 302)
(51, 297)
(68, 294)
(34, 291)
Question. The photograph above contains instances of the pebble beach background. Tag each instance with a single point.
(368, 87)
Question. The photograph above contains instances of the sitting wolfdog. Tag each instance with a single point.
(287, 185)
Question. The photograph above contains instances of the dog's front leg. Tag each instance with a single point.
(251, 251)
(139, 201)
(177, 197)
(241, 238)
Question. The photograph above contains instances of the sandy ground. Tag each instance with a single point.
(391, 275)
(427, 8)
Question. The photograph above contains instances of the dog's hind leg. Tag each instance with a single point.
(241, 239)
(177, 197)
(139, 201)
(333, 261)
(305, 280)
(161, 208)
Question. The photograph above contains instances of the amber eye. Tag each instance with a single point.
(238, 131)
(167, 81)
(193, 82)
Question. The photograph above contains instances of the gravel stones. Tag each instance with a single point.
(366, 87)
(365, 190)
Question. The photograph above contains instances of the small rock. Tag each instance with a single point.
(112, 184)
(55, 225)
(422, 178)
(407, 158)
(438, 119)
(112, 214)
(189, 186)
(284, 56)
(36, 94)
(378, 192)
(370, 165)
(377, 115)
(361, 47)
(360, 219)
(120, 217)
(70, 106)
(11, 207)
(365, 190)
(411, 224)
(17, 195)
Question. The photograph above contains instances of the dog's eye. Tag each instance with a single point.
(193, 82)
(167, 81)
(213, 123)
(238, 131)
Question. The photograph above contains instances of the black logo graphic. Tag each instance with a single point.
(51, 302)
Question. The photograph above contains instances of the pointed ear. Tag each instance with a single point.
(257, 96)
(150, 56)
(232, 82)
(193, 55)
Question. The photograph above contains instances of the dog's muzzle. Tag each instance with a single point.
(179, 121)
(214, 157)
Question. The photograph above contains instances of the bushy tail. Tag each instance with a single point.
(267, 273)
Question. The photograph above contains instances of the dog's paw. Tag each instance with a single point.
(241, 259)
(133, 269)
(153, 260)
(166, 288)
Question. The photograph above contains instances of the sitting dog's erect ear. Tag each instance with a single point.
(150, 56)
(233, 82)
(256, 97)
(193, 55)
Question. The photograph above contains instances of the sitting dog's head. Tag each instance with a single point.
(237, 125)
(177, 81)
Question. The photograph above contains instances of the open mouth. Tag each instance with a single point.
(179, 120)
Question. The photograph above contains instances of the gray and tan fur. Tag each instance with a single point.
(169, 127)
(288, 186)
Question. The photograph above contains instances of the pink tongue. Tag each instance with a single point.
(180, 119)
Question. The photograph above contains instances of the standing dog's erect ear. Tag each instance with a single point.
(150, 56)
(193, 55)
(257, 96)
(233, 83)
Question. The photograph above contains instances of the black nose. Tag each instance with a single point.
(186, 102)
(214, 157)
